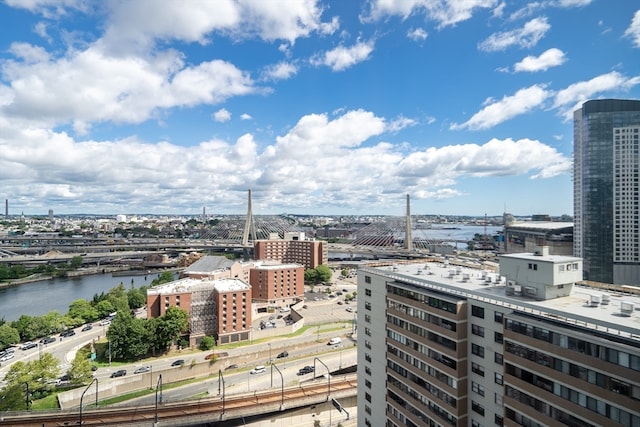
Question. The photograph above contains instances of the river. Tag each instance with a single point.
(39, 298)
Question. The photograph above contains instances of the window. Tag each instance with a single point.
(498, 358)
(477, 369)
(498, 337)
(477, 388)
(498, 378)
(367, 396)
(477, 311)
(497, 316)
(367, 292)
(498, 420)
(367, 383)
(533, 266)
(367, 279)
(367, 305)
(476, 407)
(477, 330)
(478, 350)
(474, 423)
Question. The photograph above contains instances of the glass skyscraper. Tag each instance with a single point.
(607, 190)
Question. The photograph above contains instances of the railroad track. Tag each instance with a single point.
(209, 409)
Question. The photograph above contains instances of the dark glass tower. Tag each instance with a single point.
(606, 190)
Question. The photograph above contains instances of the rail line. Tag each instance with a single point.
(209, 409)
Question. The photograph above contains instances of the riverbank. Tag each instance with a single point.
(89, 271)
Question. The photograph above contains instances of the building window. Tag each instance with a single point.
(367, 383)
(498, 358)
(367, 279)
(477, 369)
(476, 407)
(478, 350)
(367, 305)
(498, 337)
(367, 357)
(477, 311)
(367, 370)
(497, 316)
(367, 292)
(498, 420)
(475, 423)
(367, 397)
(533, 266)
(498, 378)
(477, 330)
(477, 388)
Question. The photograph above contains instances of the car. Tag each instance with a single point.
(260, 369)
(345, 291)
(340, 303)
(142, 370)
(232, 366)
(178, 362)
(334, 341)
(119, 373)
(94, 368)
(349, 309)
(67, 333)
(87, 328)
(306, 370)
(28, 345)
(305, 306)
(7, 356)
(339, 294)
(105, 322)
(283, 354)
(210, 356)
(47, 340)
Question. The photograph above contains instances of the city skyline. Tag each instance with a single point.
(319, 107)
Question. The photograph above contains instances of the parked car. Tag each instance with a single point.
(105, 322)
(87, 328)
(47, 340)
(7, 356)
(67, 333)
(119, 373)
(283, 354)
(232, 366)
(142, 370)
(349, 309)
(178, 362)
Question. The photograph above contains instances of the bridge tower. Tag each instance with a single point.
(249, 225)
(408, 239)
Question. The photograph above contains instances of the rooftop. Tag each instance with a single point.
(189, 284)
(574, 309)
(542, 225)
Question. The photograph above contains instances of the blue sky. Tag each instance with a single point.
(320, 107)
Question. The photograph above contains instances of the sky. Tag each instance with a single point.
(319, 107)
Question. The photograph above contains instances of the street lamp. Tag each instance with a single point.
(269, 344)
(95, 380)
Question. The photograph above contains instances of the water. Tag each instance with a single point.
(39, 298)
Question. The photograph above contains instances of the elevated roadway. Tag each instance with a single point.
(207, 410)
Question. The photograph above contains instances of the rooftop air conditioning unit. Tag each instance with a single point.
(626, 308)
(595, 300)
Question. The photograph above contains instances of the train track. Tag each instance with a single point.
(182, 413)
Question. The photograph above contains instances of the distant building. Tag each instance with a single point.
(526, 236)
(294, 248)
(276, 285)
(220, 308)
(606, 140)
(218, 267)
(455, 346)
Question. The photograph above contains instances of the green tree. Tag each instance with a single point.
(8, 336)
(76, 262)
(81, 308)
(104, 308)
(206, 343)
(128, 337)
(321, 273)
(36, 372)
(118, 298)
(324, 273)
(136, 298)
(13, 398)
(80, 370)
(164, 277)
(166, 329)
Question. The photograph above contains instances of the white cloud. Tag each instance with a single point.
(523, 101)
(280, 71)
(89, 86)
(245, 116)
(417, 34)
(445, 13)
(549, 58)
(341, 57)
(525, 37)
(337, 162)
(400, 123)
(572, 97)
(633, 31)
(222, 115)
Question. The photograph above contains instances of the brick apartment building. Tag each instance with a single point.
(294, 248)
(276, 285)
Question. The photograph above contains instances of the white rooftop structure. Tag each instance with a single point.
(189, 285)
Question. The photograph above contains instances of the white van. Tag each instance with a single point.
(258, 370)
(285, 310)
(335, 341)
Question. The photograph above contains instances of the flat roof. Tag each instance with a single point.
(190, 284)
(529, 256)
(573, 309)
(541, 225)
